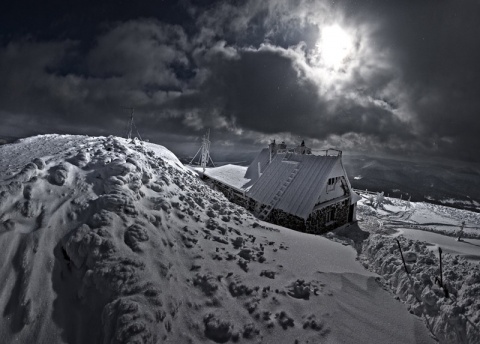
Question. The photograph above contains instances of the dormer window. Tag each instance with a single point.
(331, 183)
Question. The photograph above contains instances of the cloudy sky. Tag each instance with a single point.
(400, 78)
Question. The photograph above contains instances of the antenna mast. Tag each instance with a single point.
(131, 124)
(205, 152)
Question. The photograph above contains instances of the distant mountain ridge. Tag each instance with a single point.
(435, 182)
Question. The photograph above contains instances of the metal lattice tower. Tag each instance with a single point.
(205, 152)
(131, 124)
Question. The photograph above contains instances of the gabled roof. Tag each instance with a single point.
(300, 196)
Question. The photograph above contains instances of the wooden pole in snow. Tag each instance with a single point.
(445, 290)
(403, 259)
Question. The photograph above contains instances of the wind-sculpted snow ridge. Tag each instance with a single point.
(104, 240)
(452, 319)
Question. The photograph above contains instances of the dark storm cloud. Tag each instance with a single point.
(131, 64)
(142, 53)
(248, 70)
(264, 92)
(434, 46)
(428, 76)
(27, 87)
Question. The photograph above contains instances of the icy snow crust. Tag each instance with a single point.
(108, 241)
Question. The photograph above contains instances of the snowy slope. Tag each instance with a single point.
(108, 241)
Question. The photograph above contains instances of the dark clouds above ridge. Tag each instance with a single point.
(252, 71)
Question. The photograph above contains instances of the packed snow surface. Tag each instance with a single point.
(103, 240)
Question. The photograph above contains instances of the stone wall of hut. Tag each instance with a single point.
(281, 218)
(232, 195)
(317, 221)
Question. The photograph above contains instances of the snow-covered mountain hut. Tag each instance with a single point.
(292, 187)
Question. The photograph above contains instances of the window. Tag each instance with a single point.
(330, 215)
(331, 183)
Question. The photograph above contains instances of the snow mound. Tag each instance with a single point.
(452, 318)
(104, 240)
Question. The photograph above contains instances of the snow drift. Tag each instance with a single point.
(103, 240)
(453, 317)
(449, 299)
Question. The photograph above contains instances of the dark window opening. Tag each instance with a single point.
(331, 183)
(331, 215)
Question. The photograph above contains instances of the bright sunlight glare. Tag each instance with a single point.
(334, 46)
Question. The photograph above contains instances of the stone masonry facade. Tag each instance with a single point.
(317, 220)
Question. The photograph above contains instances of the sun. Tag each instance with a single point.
(334, 47)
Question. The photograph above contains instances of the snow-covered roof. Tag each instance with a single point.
(263, 158)
(231, 175)
(302, 193)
